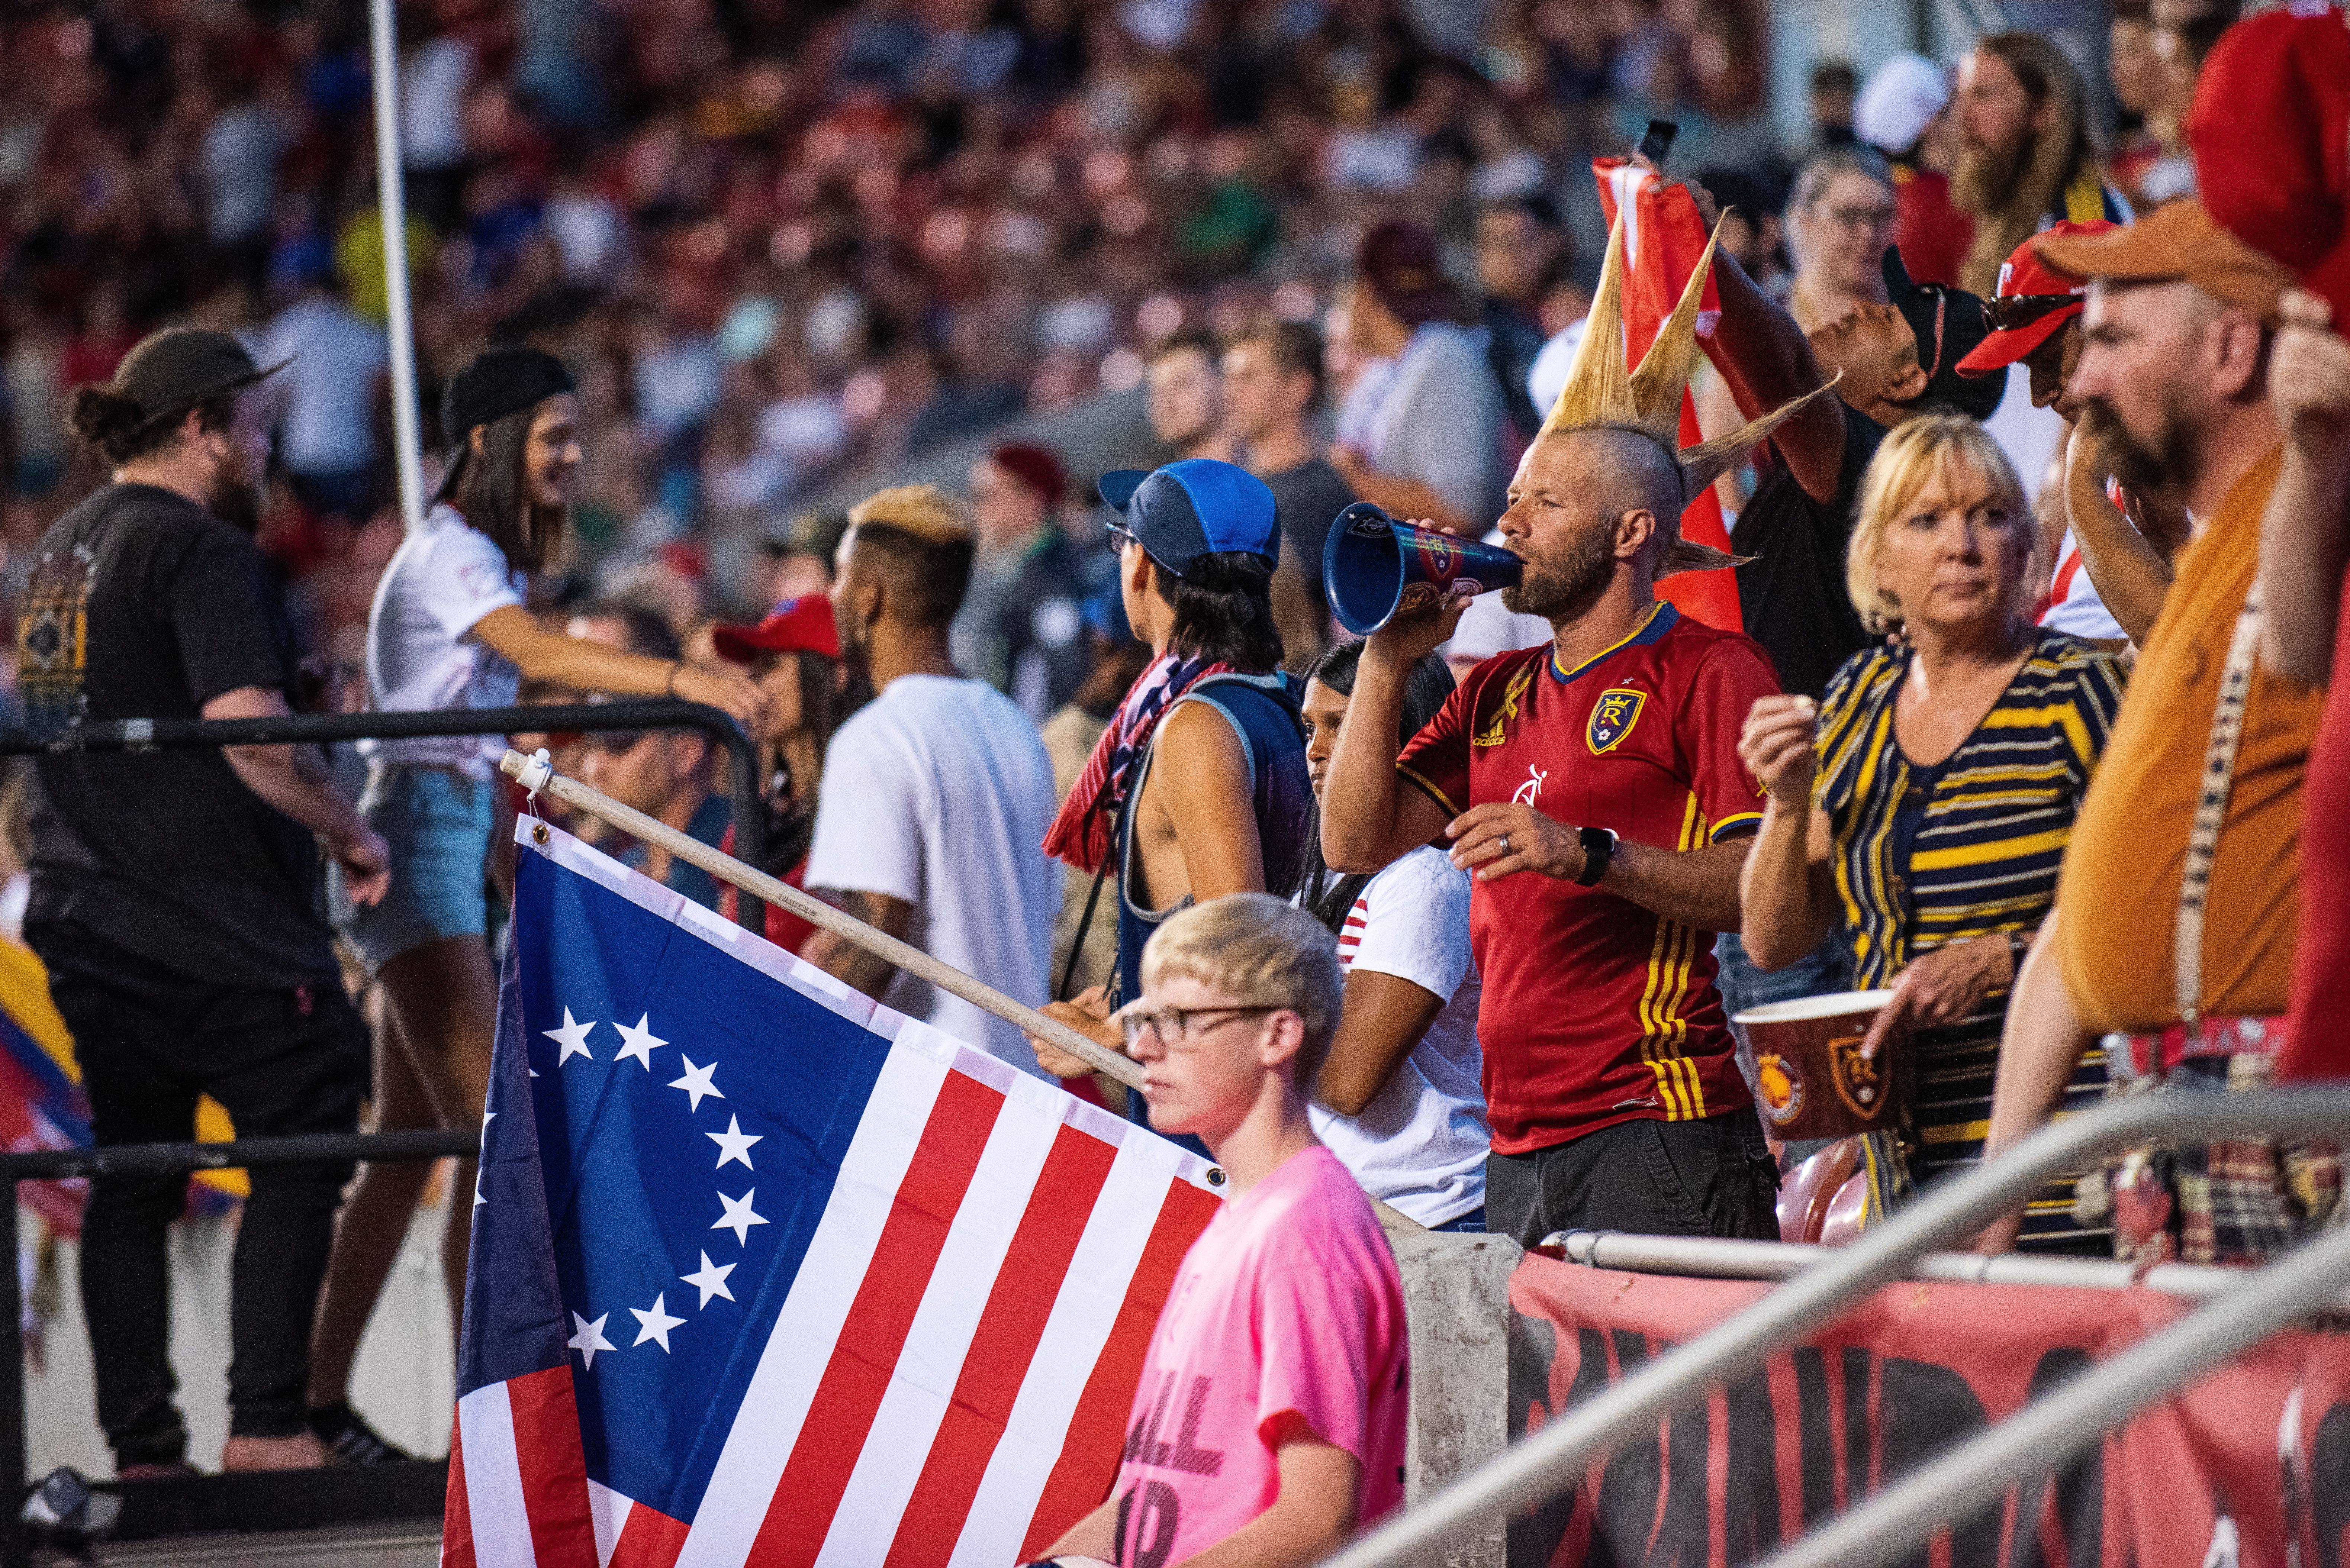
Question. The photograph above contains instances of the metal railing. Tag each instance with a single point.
(627, 713)
(1553, 1460)
(1712, 1257)
(155, 1160)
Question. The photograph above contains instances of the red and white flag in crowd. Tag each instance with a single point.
(1663, 238)
(765, 1274)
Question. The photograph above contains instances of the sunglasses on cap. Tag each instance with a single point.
(616, 742)
(2014, 312)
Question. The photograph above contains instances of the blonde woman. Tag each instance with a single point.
(1924, 803)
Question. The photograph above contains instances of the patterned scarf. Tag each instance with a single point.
(1082, 834)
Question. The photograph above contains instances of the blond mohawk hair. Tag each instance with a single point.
(1601, 393)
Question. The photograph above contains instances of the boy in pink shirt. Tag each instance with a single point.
(1269, 1422)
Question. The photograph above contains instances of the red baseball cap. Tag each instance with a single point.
(803, 625)
(2271, 135)
(2025, 277)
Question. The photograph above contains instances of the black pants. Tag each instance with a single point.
(1707, 1178)
(281, 1062)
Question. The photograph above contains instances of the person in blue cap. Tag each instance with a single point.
(1198, 788)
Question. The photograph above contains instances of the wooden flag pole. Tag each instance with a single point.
(817, 912)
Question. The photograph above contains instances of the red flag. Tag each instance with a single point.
(1663, 238)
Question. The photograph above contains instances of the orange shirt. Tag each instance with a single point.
(2118, 896)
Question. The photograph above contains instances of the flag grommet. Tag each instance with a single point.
(1215, 1176)
(538, 834)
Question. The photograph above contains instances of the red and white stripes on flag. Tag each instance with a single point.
(1663, 238)
(936, 1371)
(950, 1379)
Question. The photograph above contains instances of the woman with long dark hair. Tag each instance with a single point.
(1399, 1097)
(450, 628)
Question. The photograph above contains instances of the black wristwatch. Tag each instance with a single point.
(1598, 850)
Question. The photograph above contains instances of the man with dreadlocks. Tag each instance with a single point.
(1592, 788)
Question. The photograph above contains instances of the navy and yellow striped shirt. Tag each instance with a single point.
(1926, 857)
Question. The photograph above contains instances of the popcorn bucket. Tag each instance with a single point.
(1375, 568)
(1812, 1078)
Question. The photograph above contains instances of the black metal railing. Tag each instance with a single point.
(627, 713)
(163, 1159)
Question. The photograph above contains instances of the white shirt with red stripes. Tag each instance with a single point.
(1421, 1143)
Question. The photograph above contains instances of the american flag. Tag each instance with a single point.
(764, 1273)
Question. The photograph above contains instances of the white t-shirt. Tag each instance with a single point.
(1421, 1143)
(938, 793)
(421, 654)
(337, 356)
(2074, 606)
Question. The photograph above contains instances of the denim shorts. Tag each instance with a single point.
(437, 827)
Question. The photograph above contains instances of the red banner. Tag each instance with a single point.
(2249, 1466)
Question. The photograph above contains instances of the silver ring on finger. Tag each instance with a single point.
(1505, 844)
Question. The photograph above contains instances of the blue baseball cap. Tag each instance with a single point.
(1195, 507)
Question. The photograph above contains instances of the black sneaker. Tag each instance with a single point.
(350, 1440)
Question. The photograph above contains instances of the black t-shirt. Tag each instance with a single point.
(1307, 499)
(165, 855)
(1793, 593)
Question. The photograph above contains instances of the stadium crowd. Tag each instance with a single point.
(2030, 446)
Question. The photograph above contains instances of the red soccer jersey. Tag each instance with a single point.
(1595, 1010)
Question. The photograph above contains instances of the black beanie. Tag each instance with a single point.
(499, 381)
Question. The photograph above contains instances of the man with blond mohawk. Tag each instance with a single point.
(936, 793)
(1592, 788)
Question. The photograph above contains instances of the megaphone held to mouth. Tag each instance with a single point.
(1375, 568)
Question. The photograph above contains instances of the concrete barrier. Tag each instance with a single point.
(1456, 1290)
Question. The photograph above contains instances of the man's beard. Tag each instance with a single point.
(235, 499)
(2167, 465)
(1986, 177)
(1564, 585)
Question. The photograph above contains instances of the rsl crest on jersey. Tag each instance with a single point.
(1613, 715)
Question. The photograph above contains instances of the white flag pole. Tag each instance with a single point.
(392, 204)
(534, 774)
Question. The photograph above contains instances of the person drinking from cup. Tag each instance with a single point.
(1924, 803)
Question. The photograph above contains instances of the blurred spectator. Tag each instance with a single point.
(794, 655)
(2027, 152)
(336, 366)
(1273, 383)
(1518, 239)
(801, 562)
(1835, 85)
(1903, 109)
(1420, 430)
(2148, 126)
(666, 775)
(2101, 554)
(450, 630)
(2173, 377)
(936, 794)
(1020, 628)
(1754, 225)
(1186, 392)
(1400, 1098)
(1223, 808)
(174, 896)
(1890, 822)
(1070, 736)
(1840, 221)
